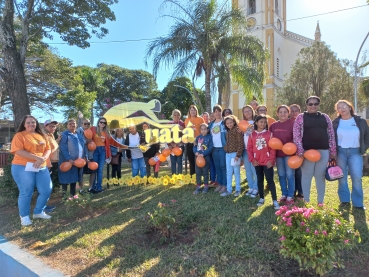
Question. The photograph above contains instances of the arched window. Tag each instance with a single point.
(251, 7)
(276, 7)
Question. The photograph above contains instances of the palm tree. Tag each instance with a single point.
(210, 38)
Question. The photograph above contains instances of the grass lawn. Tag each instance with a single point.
(217, 236)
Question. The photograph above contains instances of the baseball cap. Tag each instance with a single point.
(49, 121)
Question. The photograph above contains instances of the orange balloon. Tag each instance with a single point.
(294, 162)
(312, 155)
(177, 151)
(152, 161)
(88, 134)
(166, 152)
(289, 148)
(80, 162)
(275, 143)
(64, 167)
(243, 124)
(162, 158)
(93, 165)
(91, 146)
(200, 161)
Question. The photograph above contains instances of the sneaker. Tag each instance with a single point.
(82, 191)
(238, 193)
(276, 205)
(42, 215)
(226, 193)
(49, 209)
(206, 189)
(289, 200)
(249, 192)
(218, 188)
(282, 199)
(223, 189)
(91, 190)
(299, 195)
(197, 190)
(254, 193)
(261, 202)
(26, 221)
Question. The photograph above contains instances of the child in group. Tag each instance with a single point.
(263, 158)
(203, 146)
(234, 150)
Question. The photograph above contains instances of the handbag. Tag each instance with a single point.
(333, 171)
(115, 159)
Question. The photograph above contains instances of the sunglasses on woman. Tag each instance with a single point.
(102, 122)
(313, 104)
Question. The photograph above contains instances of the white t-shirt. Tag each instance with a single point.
(80, 149)
(348, 134)
(248, 132)
(216, 134)
(134, 140)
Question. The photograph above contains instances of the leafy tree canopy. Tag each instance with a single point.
(178, 95)
(319, 72)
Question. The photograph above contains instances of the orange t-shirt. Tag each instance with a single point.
(99, 140)
(33, 143)
(196, 121)
(271, 120)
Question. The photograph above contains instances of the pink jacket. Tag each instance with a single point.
(258, 149)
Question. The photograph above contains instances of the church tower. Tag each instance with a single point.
(266, 19)
(318, 35)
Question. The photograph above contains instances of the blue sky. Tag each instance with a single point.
(140, 19)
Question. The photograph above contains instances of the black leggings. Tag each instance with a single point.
(72, 188)
(269, 175)
(191, 158)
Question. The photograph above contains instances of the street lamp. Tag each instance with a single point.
(355, 82)
(193, 99)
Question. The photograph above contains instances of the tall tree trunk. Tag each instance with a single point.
(207, 88)
(13, 70)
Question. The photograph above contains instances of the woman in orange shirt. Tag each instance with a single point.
(196, 120)
(31, 149)
(102, 138)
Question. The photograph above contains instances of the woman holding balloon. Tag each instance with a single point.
(176, 158)
(314, 137)
(72, 151)
(283, 130)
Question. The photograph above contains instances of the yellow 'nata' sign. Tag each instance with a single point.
(165, 135)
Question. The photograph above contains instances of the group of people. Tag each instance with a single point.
(225, 147)
(218, 139)
(38, 157)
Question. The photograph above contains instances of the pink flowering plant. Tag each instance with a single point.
(314, 237)
(82, 200)
(162, 219)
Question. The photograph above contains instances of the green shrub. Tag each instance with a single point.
(163, 220)
(314, 237)
(7, 184)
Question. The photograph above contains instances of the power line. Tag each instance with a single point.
(261, 25)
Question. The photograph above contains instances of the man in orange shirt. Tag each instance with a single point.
(50, 127)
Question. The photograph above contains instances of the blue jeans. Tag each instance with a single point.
(220, 165)
(351, 159)
(26, 182)
(233, 170)
(99, 158)
(138, 165)
(252, 179)
(176, 163)
(286, 177)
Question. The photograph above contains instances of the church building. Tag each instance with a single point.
(266, 19)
